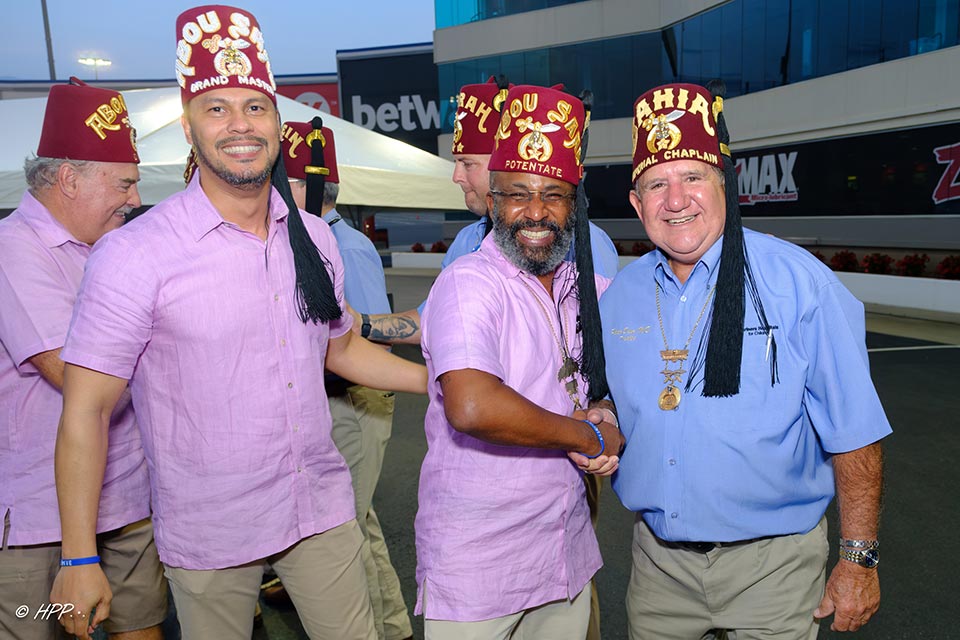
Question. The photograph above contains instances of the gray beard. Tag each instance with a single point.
(536, 261)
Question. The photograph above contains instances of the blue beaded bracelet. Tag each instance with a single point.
(73, 562)
(596, 430)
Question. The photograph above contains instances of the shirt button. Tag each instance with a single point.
(283, 342)
(296, 427)
(299, 470)
(289, 385)
(276, 297)
(683, 298)
(674, 514)
(672, 462)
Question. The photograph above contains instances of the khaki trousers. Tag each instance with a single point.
(561, 620)
(128, 557)
(323, 575)
(759, 590)
(362, 422)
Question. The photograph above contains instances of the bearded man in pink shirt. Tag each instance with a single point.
(222, 305)
(512, 341)
(81, 185)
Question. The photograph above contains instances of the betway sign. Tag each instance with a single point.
(394, 93)
(767, 178)
(410, 114)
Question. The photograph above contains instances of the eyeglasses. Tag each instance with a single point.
(550, 199)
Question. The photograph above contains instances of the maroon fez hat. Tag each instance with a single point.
(221, 47)
(87, 123)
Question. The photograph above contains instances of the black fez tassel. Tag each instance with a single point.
(593, 364)
(316, 171)
(316, 298)
(724, 347)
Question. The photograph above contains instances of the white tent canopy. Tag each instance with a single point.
(375, 170)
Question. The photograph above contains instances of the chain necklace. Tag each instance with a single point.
(670, 396)
(568, 370)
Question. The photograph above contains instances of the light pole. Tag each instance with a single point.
(96, 63)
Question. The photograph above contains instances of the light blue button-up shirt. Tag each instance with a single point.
(756, 464)
(364, 285)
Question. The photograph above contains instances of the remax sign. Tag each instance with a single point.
(767, 178)
(392, 91)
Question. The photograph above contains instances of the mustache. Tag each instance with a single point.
(226, 142)
(532, 224)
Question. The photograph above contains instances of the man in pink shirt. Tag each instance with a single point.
(222, 306)
(44, 245)
(511, 338)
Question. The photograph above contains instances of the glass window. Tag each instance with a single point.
(450, 13)
(751, 44)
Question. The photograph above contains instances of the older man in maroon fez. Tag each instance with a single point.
(222, 307)
(746, 402)
(82, 184)
(511, 337)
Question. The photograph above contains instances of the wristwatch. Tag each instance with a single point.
(859, 544)
(868, 558)
(365, 326)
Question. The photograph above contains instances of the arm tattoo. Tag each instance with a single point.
(392, 327)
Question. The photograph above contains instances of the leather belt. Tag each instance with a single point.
(707, 547)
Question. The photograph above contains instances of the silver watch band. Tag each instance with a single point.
(859, 544)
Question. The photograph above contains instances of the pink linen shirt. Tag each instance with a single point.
(500, 528)
(227, 381)
(41, 265)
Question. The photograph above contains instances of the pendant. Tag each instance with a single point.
(669, 398)
(567, 369)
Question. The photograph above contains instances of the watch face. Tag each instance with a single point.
(871, 558)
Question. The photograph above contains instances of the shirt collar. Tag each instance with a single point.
(331, 216)
(48, 229)
(565, 272)
(707, 265)
(204, 217)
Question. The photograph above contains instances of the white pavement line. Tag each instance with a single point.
(924, 347)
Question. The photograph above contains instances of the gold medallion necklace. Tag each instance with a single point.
(568, 370)
(670, 396)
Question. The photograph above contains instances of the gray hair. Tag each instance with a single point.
(330, 192)
(41, 172)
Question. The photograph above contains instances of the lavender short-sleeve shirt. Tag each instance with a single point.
(226, 379)
(41, 265)
(500, 529)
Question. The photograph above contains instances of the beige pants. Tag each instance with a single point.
(760, 590)
(561, 620)
(323, 575)
(129, 559)
(362, 422)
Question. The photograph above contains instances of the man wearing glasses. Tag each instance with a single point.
(511, 339)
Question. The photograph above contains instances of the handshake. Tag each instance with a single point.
(603, 457)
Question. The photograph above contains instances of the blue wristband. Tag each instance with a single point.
(596, 430)
(73, 562)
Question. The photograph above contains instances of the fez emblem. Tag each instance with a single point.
(458, 126)
(664, 135)
(229, 61)
(535, 146)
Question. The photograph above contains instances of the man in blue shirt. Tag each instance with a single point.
(738, 366)
(362, 417)
(475, 125)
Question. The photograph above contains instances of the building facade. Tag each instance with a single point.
(840, 112)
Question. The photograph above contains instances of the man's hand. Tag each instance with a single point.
(357, 319)
(607, 463)
(852, 596)
(86, 588)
